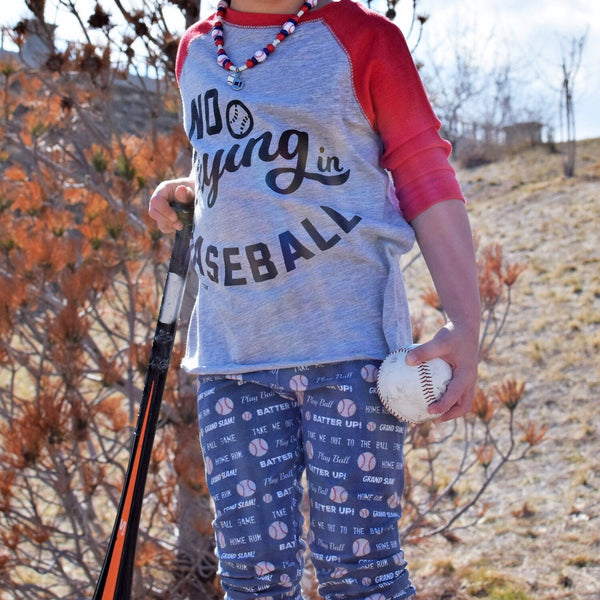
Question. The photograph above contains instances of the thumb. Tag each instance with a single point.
(420, 353)
(184, 194)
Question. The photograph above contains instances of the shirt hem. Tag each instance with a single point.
(238, 369)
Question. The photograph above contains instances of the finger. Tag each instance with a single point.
(451, 397)
(161, 211)
(184, 195)
(159, 208)
(462, 406)
(457, 411)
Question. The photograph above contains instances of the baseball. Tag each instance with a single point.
(338, 494)
(239, 119)
(366, 461)
(264, 567)
(407, 391)
(224, 406)
(298, 383)
(393, 501)
(246, 488)
(278, 530)
(369, 373)
(258, 447)
(346, 407)
(361, 547)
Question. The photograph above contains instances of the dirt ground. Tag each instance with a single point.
(540, 538)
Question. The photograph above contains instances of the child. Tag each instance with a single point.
(299, 231)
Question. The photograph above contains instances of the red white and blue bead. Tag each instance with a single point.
(260, 55)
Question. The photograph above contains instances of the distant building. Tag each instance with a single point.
(522, 135)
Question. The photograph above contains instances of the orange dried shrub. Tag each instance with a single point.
(92, 475)
(38, 534)
(112, 408)
(13, 294)
(43, 422)
(79, 261)
(7, 480)
(430, 298)
(510, 392)
(485, 454)
(533, 434)
(483, 406)
(12, 537)
(147, 554)
(511, 273)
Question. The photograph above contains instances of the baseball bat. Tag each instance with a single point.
(116, 577)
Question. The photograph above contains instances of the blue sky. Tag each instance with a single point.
(530, 30)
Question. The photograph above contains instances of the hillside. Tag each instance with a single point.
(541, 536)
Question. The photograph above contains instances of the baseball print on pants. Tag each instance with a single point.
(259, 433)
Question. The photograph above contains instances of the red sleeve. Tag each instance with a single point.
(198, 29)
(391, 93)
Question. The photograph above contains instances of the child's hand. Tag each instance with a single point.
(180, 190)
(458, 346)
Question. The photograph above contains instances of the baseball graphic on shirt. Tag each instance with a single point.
(264, 567)
(239, 119)
(246, 488)
(278, 530)
(366, 581)
(224, 406)
(267, 498)
(221, 539)
(361, 547)
(258, 447)
(371, 426)
(369, 373)
(285, 580)
(298, 383)
(346, 407)
(364, 513)
(376, 597)
(307, 415)
(246, 415)
(208, 465)
(366, 461)
(338, 494)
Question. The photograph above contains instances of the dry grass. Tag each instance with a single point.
(541, 536)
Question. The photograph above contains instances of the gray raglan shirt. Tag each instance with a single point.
(306, 179)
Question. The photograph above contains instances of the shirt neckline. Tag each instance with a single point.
(248, 19)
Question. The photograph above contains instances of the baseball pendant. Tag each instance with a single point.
(235, 81)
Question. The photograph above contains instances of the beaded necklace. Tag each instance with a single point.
(259, 56)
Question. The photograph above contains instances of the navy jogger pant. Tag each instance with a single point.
(259, 432)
